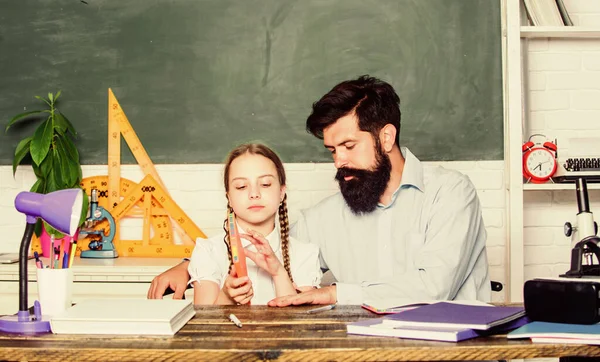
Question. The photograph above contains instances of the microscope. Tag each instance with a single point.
(573, 297)
(101, 247)
(584, 234)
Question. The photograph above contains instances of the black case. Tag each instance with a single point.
(570, 301)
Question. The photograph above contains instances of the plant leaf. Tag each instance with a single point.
(37, 171)
(40, 144)
(51, 97)
(59, 180)
(57, 95)
(84, 209)
(74, 172)
(64, 145)
(69, 124)
(21, 151)
(64, 161)
(56, 166)
(70, 149)
(38, 186)
(46, 167)
(59, 170)
(52, 231)
(63, 123)
(19, 117)
(74, 180)
(60, 126)
(51, 184)
(38, 228)
(73, 166)
(44, 100)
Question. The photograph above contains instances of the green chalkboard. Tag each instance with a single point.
(197, 77)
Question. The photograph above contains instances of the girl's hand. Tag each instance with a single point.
(238, 290)
(264, 257)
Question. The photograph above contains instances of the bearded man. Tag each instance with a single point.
(396, 231)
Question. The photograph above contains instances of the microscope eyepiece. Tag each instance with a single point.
(94, 195)
(582, 195)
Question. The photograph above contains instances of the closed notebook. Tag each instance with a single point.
(453, 315)
(124, 316)
(375, 327)
(397, 305)
(557, 331)
(565, 340)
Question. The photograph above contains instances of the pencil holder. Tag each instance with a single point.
(55, 290)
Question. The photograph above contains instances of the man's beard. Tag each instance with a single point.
(363, 192)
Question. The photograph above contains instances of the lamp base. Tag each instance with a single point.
(25, 323)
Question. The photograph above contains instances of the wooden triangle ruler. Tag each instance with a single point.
(156, 217)
(118, 125)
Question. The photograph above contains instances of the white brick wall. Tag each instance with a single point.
(563, 77)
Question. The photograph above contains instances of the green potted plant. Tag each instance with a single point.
(52, 152)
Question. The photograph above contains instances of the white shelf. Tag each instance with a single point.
(559, 32)
(557, 187)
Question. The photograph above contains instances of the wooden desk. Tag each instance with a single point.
(286, 334)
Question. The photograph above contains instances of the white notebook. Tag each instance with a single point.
(124, 316)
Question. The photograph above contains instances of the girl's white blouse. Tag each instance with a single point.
(209, 261)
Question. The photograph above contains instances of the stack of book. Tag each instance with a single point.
(443, 321)
(124, 316)
(545, 332)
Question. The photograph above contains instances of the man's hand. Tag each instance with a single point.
(326, 295)
(304, 288)
(175, 278)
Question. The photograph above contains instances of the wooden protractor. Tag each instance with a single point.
(151, 194)
(159, 220)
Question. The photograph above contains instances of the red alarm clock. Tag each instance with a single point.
(539, 160)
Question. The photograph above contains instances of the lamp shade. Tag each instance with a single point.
(60, 209)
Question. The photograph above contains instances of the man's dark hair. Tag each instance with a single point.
(374, 102)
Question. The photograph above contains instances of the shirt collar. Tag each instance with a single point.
(412, 175)
(273, 238)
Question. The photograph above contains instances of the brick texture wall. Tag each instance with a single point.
(563, 78)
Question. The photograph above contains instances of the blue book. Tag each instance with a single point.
(454, 315)
(557, 330)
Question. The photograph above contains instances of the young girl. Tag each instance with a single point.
(255, 189)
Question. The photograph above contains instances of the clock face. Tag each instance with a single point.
(540, 163)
